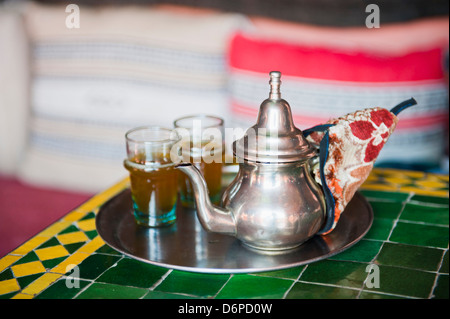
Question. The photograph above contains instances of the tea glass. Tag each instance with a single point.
(202, 145)
(153, 177)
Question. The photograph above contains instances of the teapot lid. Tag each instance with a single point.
(274, 138)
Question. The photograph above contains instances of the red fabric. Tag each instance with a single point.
(300, 120)
(433, 119)
(263, 56)
(26, 210)
(364, 131)
(382, 116)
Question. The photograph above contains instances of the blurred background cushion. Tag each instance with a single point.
(124, 67)
(329, 72)
(14, 85)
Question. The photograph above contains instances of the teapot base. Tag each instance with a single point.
(272, 250)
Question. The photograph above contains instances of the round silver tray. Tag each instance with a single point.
(186, 246)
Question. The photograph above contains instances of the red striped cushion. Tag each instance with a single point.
(331, 64)
(323, 82)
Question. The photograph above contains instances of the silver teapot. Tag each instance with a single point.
(273, 203)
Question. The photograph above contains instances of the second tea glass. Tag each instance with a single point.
(202, 145)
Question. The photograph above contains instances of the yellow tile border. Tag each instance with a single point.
(394, 171)
(73, 216)
(92, 246)
(72, 260)
(71, 238)
(51, 252)
(415, 174)
(433, 184)
(39, 284)
(9, 286)
(69, 263)
(404, 181)
(56, 272)
(397, 180)
(87, 225)
(7, 261)
(380, 187)
(55, 228)
(29, 245)
(22, 296)
(30, 268)
(437, 193)
(77, 257)
(442, 177)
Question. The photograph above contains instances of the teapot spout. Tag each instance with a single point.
(213, 218)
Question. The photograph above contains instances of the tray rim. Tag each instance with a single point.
(334, 252)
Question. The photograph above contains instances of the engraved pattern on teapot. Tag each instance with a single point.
(274, 202)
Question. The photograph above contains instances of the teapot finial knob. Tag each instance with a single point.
(275, 83)
(274, 138)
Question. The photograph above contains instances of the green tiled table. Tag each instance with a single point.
(408, 243)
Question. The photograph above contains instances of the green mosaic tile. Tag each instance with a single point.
(49, 243)
(89, 215)
(196, 284)
(341, 273)
(412, 259)
(26, 280)
(62, 290)
(69, 229)
(404, 282)
(8, 296)
(442, 288)
(31, 256)
(50, 263)
(431, 199)
(105, 249)
(71, 248)
(384, 209)
(408, 256)
(302, 290)
(249, 286)
(133, 273)
(109, 291)
(91, 234)
(289, 273)
(373, 295)
(385, 196)
(419, 234)
(426, 214)
(6, 274)
(363, 251)
(95, 265)
(444, 266)
(380, 230)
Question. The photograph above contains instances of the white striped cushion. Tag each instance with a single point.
(124, 67)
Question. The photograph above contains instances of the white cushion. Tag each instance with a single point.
(14, 86)
(124, 67)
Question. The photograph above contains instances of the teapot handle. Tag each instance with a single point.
(404, 105)
(323, 156)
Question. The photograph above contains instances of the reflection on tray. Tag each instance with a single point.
(187, 246)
